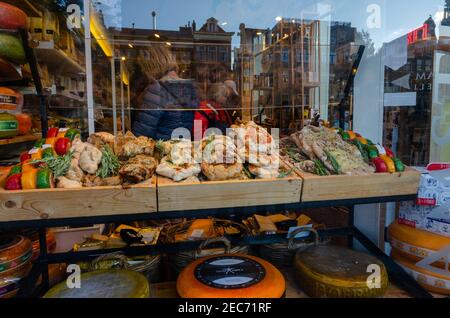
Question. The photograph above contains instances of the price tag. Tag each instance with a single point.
(61, 130)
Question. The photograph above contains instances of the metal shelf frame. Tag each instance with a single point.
(29, 286)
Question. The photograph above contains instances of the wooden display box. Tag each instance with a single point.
(26, 205)
(325, 188)
(173, 196)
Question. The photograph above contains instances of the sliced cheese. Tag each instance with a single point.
(415, 244)
(432, 281)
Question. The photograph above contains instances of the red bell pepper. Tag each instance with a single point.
(380, 165)
(62, 146)
(25, 156)
(14, 182)
(52, 132)
(389, 152)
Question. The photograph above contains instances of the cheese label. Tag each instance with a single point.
(229, 272)
(8, 102)
(425, 279)
(411, 249)
(9, 125)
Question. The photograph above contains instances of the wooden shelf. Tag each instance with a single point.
(19, 139)
(57, 60)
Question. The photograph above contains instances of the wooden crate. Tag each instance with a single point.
(320, 188)
(29, 205)
(174, 196)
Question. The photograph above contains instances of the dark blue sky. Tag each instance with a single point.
(397, 16)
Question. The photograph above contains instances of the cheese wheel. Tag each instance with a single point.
(12, 17)
(10, 99)
(432, 281)
(231, 276)
(13, 248)
(51, 245)
(116, 283)
(416, 244)
(8, 290)
(338, 272)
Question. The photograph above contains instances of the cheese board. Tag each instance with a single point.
(176, 196)
(27, 205)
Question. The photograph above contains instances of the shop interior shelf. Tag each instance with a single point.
(20, 139)
(57, 60)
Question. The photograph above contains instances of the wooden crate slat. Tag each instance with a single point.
(66, 203)
(323, 188)
(174, 196)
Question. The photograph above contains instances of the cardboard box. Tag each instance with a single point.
(425, 217)
(431, 211)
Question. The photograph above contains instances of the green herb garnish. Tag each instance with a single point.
(160, 146)
(59, 165)
(285, 174)
(334, 163)
(320, 168)
(248, 173)
(110, 164)
(293, 155)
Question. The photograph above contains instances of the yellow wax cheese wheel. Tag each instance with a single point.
(339, 272)
(231, 276)
(432, 280)
(117, 283)
(416, 244)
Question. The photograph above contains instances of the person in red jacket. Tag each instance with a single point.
(213, 113)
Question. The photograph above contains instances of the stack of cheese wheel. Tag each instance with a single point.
(231, 276)
(51, 243)
(15, 263)
(339, 272)
(410, 245)
(115, 283)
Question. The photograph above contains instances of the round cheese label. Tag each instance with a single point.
(229, 272)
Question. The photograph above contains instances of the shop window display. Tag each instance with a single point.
(113, 110)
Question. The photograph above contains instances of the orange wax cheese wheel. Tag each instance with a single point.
(415, 244)
(231, 276)
(432, 280)
(13, 246)
(10, 99)
(15, 257)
